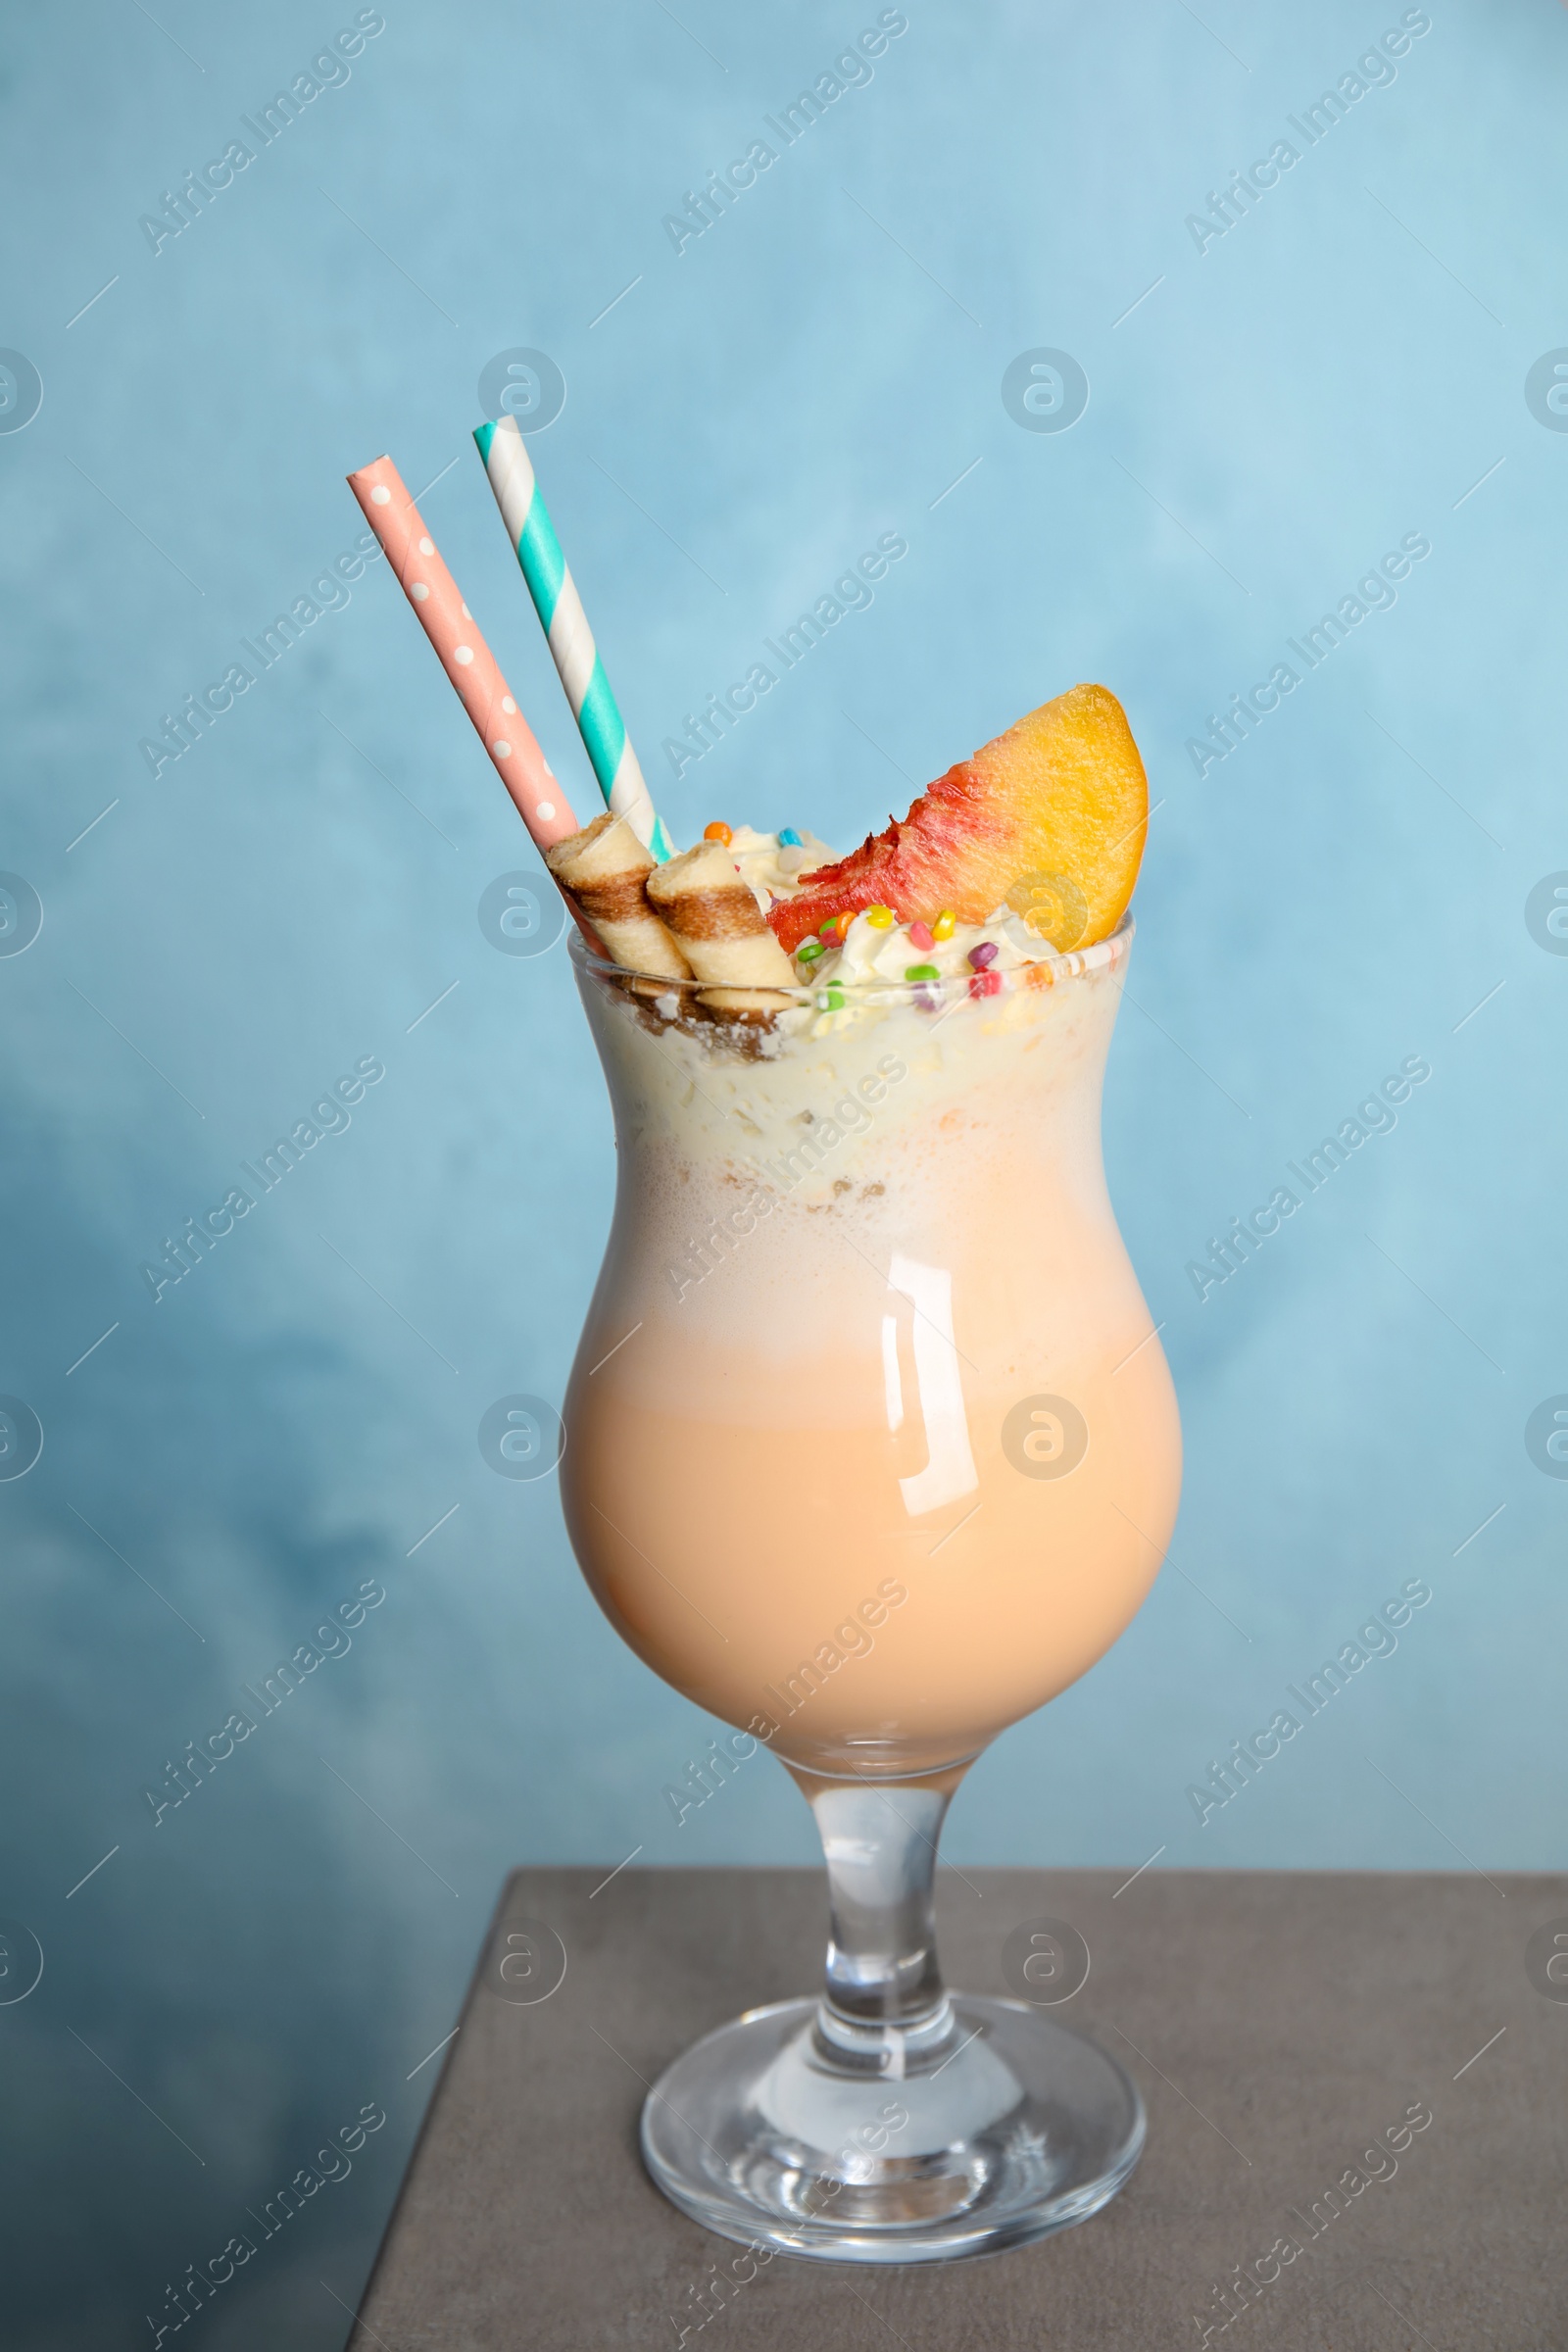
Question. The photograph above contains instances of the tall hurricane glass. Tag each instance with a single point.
(871, 1451)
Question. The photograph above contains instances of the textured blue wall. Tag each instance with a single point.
(1271, 411)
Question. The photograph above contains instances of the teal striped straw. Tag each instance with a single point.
(565, 625)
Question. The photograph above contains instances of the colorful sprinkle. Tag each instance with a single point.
(921, 935)
(922, 971)
(789, 839)
(926, 1000)
(984, 954)
(810, 950)
(718, 831)
(830, 1000)
(945, 924)
(880, 918)
(986, 984)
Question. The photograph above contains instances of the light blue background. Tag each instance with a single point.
(1337, 371)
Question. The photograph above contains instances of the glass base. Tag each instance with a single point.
(783, 2129)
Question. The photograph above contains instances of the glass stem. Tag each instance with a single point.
(884, 1996)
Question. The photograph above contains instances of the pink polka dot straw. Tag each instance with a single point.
(463, 653)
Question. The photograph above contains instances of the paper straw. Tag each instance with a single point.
(463, 653)
(566, 625)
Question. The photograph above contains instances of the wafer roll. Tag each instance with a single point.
(605, 867)
(716, 922)
(750, 1008)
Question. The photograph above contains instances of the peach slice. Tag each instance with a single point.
(1049, 817)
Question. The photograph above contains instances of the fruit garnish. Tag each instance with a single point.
(1060, 802)
(1052, 907)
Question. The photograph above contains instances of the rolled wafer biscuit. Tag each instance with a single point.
(747, 1007)
(604, 867)
(717, 925)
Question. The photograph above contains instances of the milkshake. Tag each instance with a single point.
(869, 1446)
(870, 1449)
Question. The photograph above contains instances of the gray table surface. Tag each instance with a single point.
(1275, 2023)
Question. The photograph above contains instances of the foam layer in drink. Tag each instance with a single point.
(889, 1457)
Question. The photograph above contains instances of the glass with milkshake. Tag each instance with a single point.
(870, 1448)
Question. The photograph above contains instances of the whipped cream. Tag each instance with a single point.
(869, 953)
(775, 869)
(872, 951)
(778, 869)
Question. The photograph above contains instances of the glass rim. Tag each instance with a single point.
(1062, 964)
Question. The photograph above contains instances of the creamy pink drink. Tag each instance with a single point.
(870, 1448)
